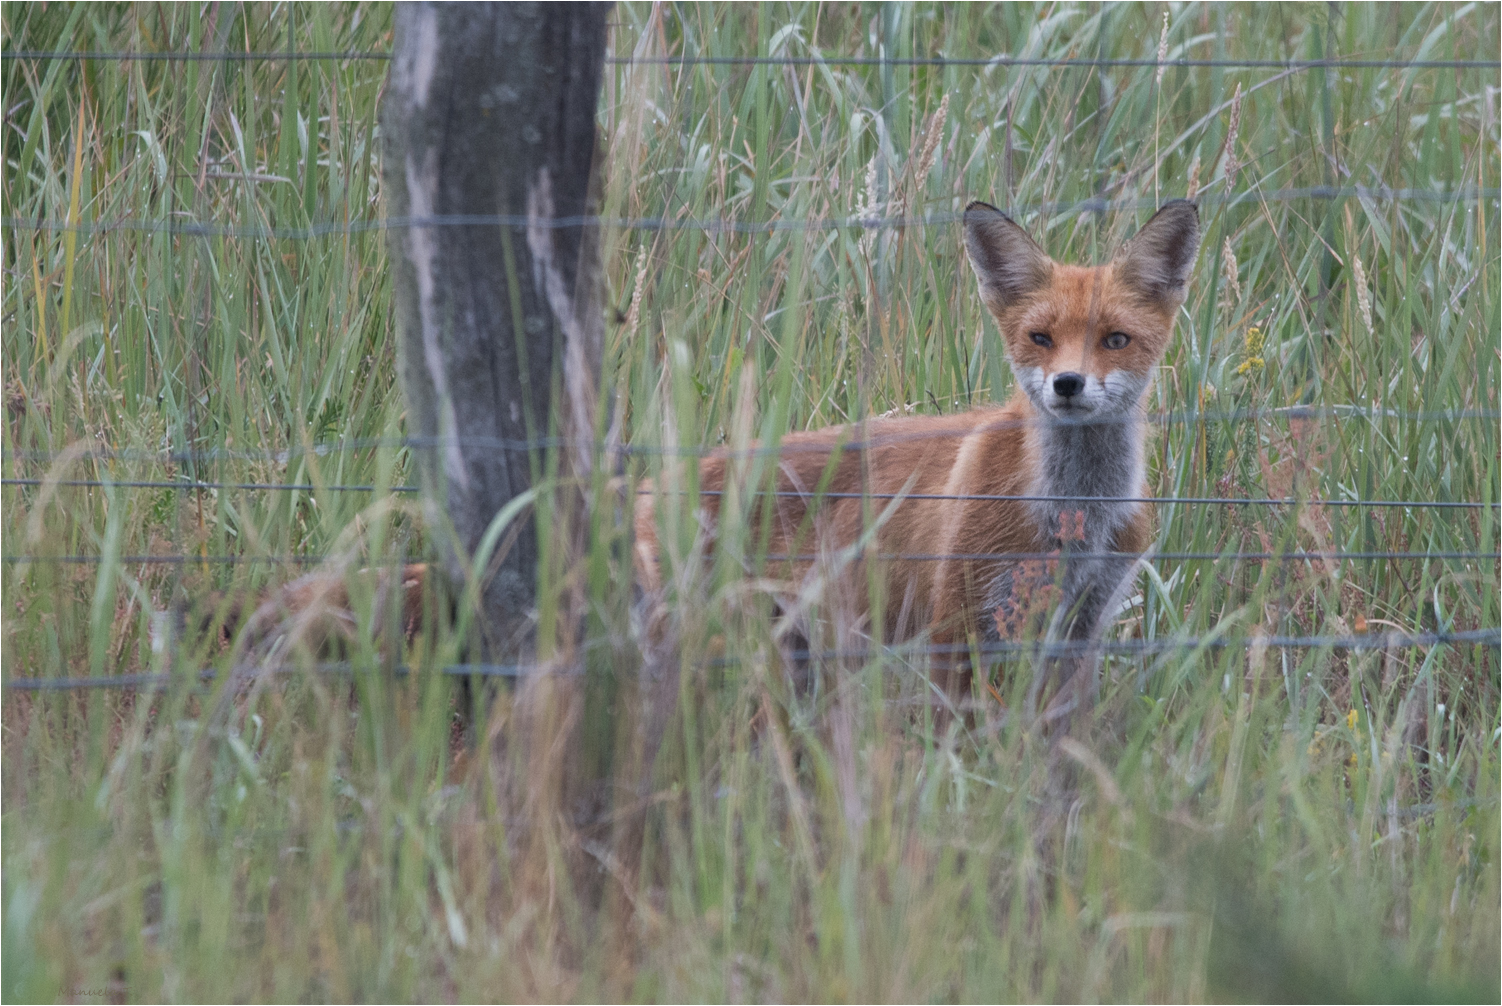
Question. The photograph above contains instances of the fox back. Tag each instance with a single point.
(1083, 343)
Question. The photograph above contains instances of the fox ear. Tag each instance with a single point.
(1007, 262)
(1157, 260)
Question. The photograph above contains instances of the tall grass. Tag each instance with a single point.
(1240, 823)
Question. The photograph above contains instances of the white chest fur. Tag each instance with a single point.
(1087, 461)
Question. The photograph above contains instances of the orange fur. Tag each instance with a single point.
(315, 612)
(1015, 449)
(996, 451)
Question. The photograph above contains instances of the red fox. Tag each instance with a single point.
(1082, 343)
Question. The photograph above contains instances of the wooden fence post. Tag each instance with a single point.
(490, 112)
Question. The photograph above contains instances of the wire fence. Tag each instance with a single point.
(990, 651)
(1296, 413)
(246, 486)
(169, 560)
(816, 59)
(1065, 557)
(879, 437)
(1038, 498)
(1297, 555)
(1097, 205)
(867, 222)
(820, 496)
(1287, 556)
(990, 654)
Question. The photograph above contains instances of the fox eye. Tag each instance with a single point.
(1116, 340)
(1042, 339)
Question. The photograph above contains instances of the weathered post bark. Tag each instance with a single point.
(490, 112)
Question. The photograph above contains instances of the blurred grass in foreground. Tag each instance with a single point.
(1243, 824)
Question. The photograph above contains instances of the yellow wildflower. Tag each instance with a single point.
(1252, 347)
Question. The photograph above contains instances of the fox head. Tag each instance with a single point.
(1083, 341)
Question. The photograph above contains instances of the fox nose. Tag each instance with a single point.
(1068, 385)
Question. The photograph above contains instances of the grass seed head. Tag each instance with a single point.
(1233, 166)
(633, 314)
(1363, 296)
(1162, 49)
(867, 207)
(931, 136)
(1233, 278)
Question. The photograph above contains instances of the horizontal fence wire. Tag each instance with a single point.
(1180, 418)
(1034, 498)
(1099, 205)
(247, 486)
(801, 494)
(881, 439)
(1355, 63)
(1063, 557)
(997, 652)
(168, 560)
(160, 682)
(1059, 648)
